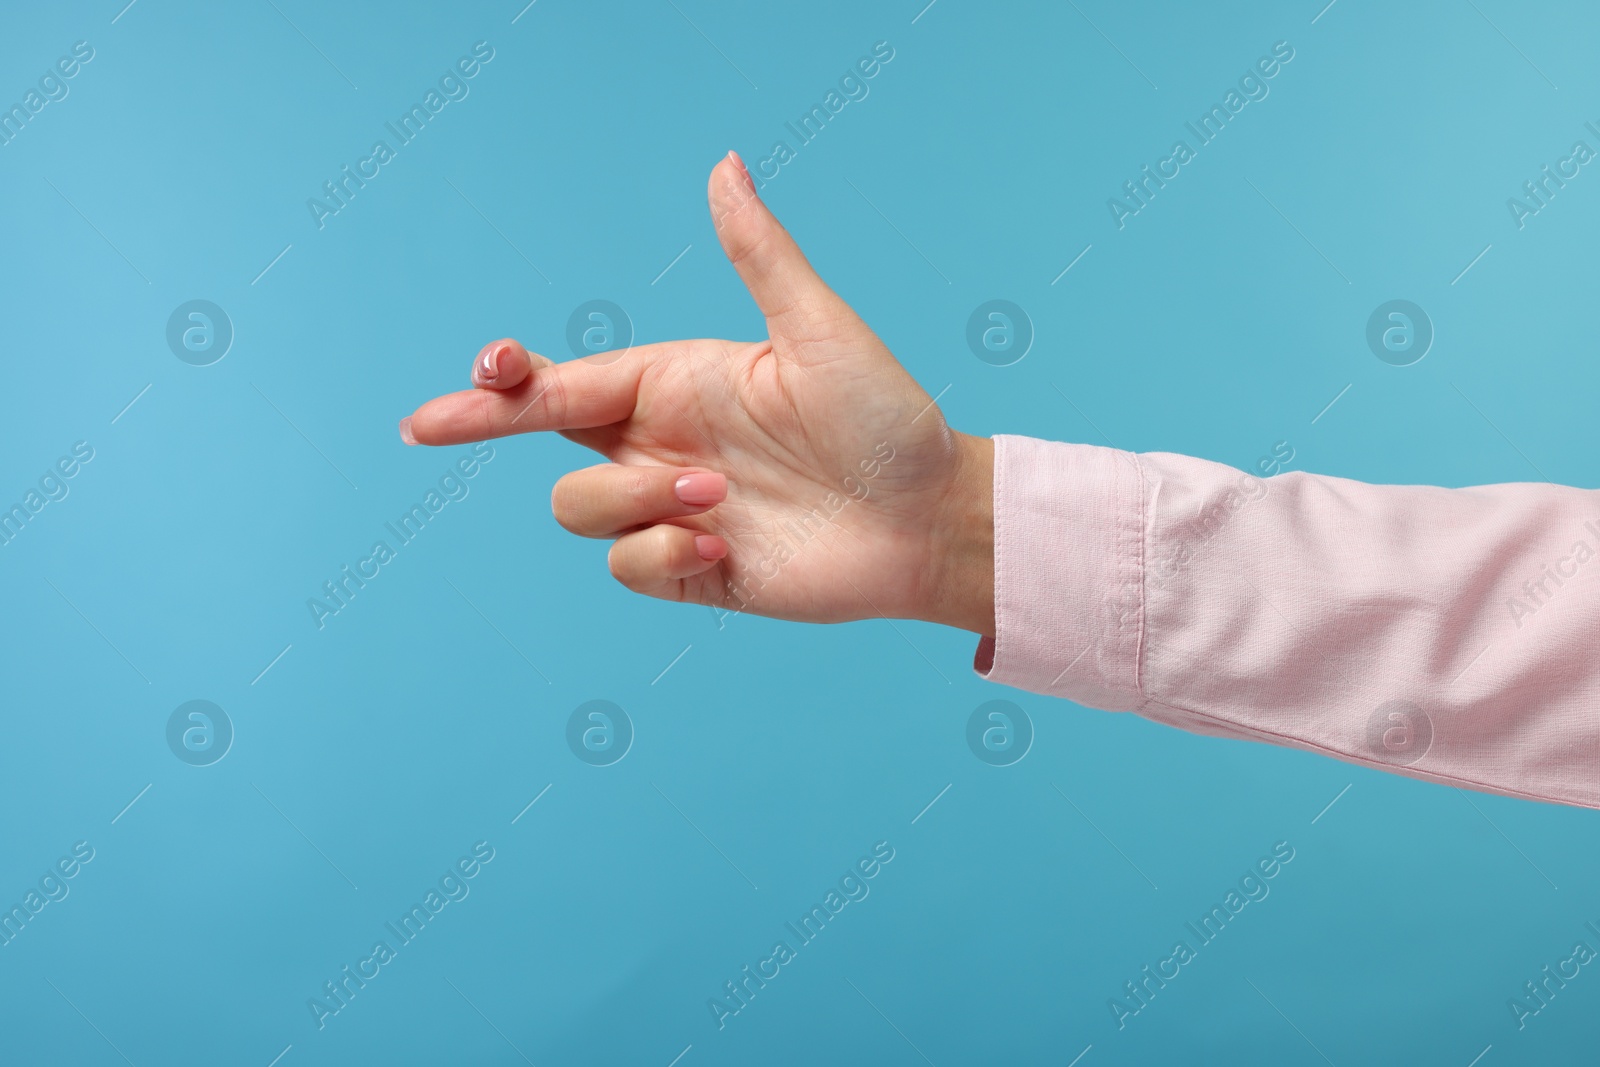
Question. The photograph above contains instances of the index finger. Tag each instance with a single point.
(562, 396)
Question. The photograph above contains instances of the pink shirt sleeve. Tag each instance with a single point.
(1446, 634)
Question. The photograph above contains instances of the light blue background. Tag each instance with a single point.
(376, 751)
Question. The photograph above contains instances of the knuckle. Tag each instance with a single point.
(545, 406)
(637, 492)
(746, 245)
(553, 401)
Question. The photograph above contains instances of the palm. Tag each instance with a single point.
(831, 452)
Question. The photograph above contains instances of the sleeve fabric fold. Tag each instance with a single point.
(1446, 634)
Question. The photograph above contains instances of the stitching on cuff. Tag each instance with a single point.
(1261, 735)
(1001, 533)
(1140, 641)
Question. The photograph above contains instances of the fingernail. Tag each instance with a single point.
(697, 490)
(405, 431)
(710, 547)
(487, 368)
(745, 171)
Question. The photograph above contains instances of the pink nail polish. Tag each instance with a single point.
(701, 489)
(709, 547)
(405, 431)
(491, 364)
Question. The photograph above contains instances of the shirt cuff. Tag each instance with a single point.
(1068, 572)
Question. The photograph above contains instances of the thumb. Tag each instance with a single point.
(796, 302)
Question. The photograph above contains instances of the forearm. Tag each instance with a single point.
(1446, 634)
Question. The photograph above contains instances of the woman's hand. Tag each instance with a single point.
(804, 477)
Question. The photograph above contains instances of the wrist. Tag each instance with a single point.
(962, 543)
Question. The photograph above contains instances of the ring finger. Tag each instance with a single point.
(611, 499)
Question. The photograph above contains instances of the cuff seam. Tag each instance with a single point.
(1240, 732)
(1002, 532)
(1143, 602)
